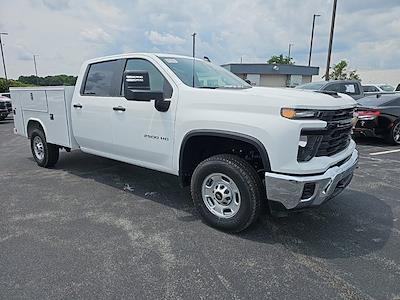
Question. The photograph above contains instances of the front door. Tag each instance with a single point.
(142, 134)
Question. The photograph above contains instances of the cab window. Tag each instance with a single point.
(157, 80)
(99, 79)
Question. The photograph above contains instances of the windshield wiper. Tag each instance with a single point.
(208, 87)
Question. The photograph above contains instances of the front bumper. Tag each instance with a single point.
(295, 191)
(4, 112)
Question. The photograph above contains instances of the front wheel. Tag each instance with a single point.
(45, 154)
(227, 192)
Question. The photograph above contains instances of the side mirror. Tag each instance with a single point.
(137, 88)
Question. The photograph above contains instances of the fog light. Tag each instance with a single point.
(308, 191)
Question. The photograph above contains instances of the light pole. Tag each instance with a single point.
(290, 48)
(2, 54)
(193, 53)
(328, 60)
(312, 38)
(194, 44)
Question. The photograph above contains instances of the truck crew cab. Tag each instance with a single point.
(237, 146)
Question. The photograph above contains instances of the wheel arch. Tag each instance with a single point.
(35, 123)
(240, 137)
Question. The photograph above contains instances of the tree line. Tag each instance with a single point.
(24, 81)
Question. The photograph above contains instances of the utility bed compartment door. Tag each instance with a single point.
(57, 129)
(35, 101)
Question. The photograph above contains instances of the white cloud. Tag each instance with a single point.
(164, 39)
(66, 32)
(95, 35)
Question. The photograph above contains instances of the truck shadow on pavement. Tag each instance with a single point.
(354, 224)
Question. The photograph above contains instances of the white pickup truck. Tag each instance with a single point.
(237, 146)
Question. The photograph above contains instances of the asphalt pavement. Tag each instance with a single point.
(95, 228)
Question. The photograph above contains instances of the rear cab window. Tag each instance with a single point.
(102, 78)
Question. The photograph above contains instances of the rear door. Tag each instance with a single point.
(142, 134)
(92, 108)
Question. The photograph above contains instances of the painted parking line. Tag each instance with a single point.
(385, 152)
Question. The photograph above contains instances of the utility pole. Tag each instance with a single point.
(328, 60)
(290, 48)
(34, 62)
(312, 38)
(2, 54)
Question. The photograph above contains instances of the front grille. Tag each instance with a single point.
(337, 135)
(2, 105)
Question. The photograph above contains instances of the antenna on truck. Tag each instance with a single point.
(193, 53)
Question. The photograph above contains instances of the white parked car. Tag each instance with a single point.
(237, 146)
(373, 88)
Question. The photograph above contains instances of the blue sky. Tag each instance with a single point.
(65, 32)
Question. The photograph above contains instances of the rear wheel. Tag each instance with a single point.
(45, 154)
(394, 134)
(226, 191)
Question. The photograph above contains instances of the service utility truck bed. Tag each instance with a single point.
(51, 107)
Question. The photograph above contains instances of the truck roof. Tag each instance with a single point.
(133, 54)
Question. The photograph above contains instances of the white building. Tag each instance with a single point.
(273, 75)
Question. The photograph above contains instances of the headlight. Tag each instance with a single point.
(295, 114)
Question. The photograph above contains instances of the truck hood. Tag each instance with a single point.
(286, 97)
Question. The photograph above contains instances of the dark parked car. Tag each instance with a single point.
(379, 116)
(350, 87)
(5, 107)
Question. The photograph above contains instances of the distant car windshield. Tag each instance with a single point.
(315, 86)
(202, 74)
(374, 101)
(387, 88)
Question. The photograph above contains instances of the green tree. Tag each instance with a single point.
(49, 80)
(6, 84)
(339, 72)
(280, 59)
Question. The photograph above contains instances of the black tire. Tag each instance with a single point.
(50, 151)
(247, 181)
(391, 137)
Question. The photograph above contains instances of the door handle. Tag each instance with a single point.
(78, 105)
(119, 108)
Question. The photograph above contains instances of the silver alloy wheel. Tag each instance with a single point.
(221, 195)
(38, 147)
(396, 133)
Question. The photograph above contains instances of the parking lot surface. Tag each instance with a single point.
(96, 228)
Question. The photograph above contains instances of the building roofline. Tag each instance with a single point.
(265, 68)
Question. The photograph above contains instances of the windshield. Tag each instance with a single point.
(311, 86)
(387, 88)
(205, 75)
